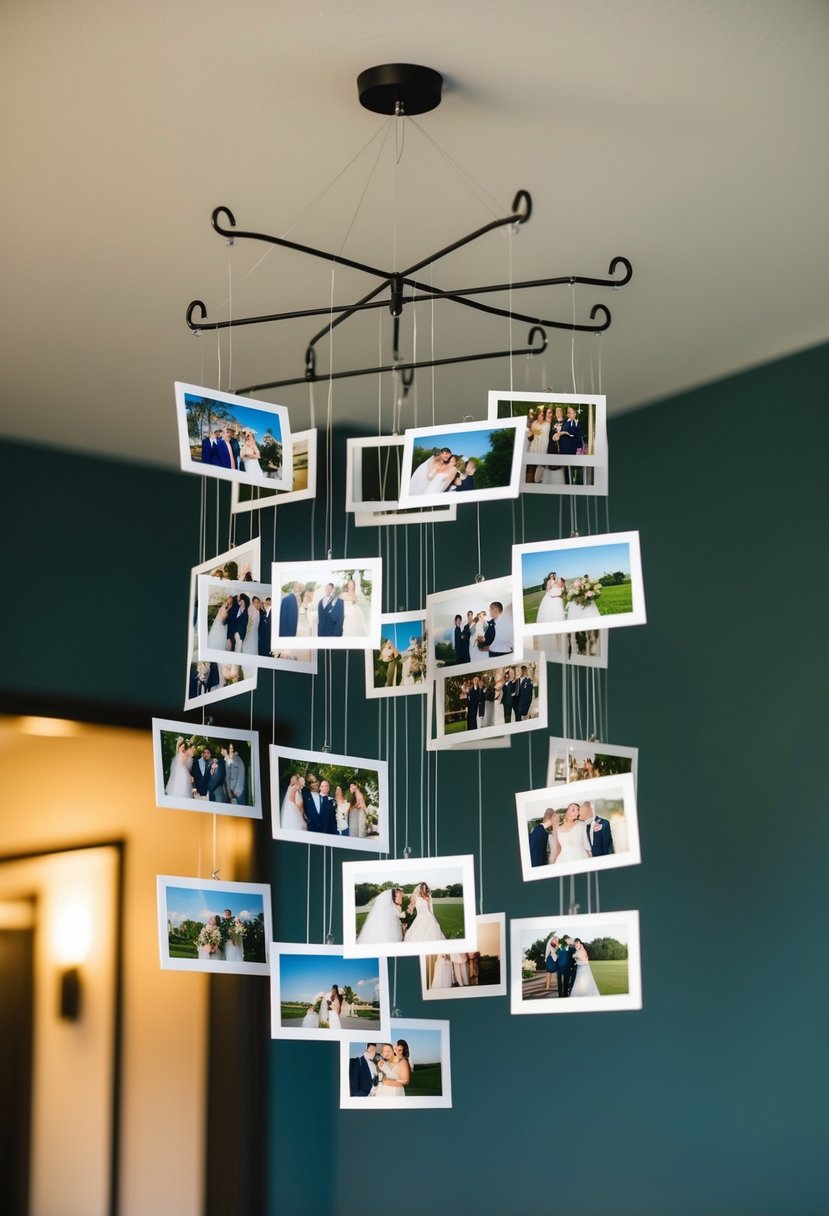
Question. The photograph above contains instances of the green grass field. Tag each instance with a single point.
(181, 949)
(425, 1082)
(449, 917)
(611, 978)
(612, 601)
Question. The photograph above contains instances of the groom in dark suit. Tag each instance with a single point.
(320, 811)
(265, 627)
(523, 695)
(362, 1073)
(227, 450)
(331, 614)
(599, 835)
(565, 966)
(201, 772)
(539, 838)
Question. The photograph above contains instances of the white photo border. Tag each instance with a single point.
(399, 1028)
(249, 552)
(321, 572)
(263, 591)
(507, 729)
(557, 745)
(599, 400)
(225, 889)
(397, 690)
(484, 592)
(316, 1035)
(225, 733)
(278, 498)
(367, 844)
(470, 990)
(413, 435)
(188, 465)
(354, 500)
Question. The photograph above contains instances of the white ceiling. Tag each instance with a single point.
(687, 135)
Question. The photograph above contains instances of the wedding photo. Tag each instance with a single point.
(209, 682)
(570, 760)
(443, 513)
(327, 606)
(472, 626)
(329, 799)
(372, 478)
(318, 994)
(245, 497)
(233, 438)
(575, 964)
(397, 907)
(398, 668)
(409, 1071)
(217, 927)
(576, 830)
(571, 585)
(455, 975)
(487, 702)
(209, 769)
(568, 430)
(235, 621)
(470, 462)
(584, 648)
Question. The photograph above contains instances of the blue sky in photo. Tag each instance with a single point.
(424, 1044)
(402, 632)
(592, 560)
(190, 903)
(252, 419)
(303, 976)
(463, 443)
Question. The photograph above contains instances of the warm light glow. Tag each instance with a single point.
(56, 728)
(72, 932)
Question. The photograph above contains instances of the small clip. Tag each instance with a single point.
(325, 748)
(479, 578)
(329, 939)
(214, 873)
(574, 533)
(407, 852)
(395, 1013)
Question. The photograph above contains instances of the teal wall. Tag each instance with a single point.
(712, 1099)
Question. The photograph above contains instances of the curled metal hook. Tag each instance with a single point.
(628, 271)
(523, 196)
(310, 363)
(594, 312)
(191, 308)
(536, 329)
(231, 219)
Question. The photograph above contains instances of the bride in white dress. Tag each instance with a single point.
(425, 925)
(354, 625)
(335, 1004)
(251, 643)
(217, 637)
(234, 950)
(433, 475)
(551, 607)
(395, 1071)
(180, 781)
(584, 984)
(570, 841)
(311, 1020)
(292, 815)
(383, 921)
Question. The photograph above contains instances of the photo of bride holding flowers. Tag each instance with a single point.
(213, 927)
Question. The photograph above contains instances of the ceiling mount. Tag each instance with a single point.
(400, 88)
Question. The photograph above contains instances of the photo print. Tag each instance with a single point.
(470, 742)
(329, 799)
(372, 478)
(218, 927)
(568, 430)
(233, 438)
(397, 907)
(227, 677)
(246, 497)
(398, 668)
(469, 461)
(207, 768)
(575, 964)
(236, 620)
(565, 586)
(579, 828)
(444, 513)
(584, 648)
(327, 605)
(572, 760)
(410, 1071)
(472, 627)
(318, 994)
(491, 701)
(471, 973)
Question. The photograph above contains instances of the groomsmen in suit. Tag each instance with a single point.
(599, 835)
(237, 622)
(461, 641)
(289, 611)
(497, 633)
(331, 614)
(362, 1073)
(475, 703)
(208, 448)
(523, 696)
(265, 628)
(508, 693)
(216, 782)
(201, 772)
(465, 480)
(564, 965)
(539, 838)
(320, 811)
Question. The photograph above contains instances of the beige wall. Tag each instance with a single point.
(86, 785)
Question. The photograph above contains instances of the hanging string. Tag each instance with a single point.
(480, 839)
(479, 192)
(480, 568)
(324, 890)
(214, 870)
(345, 705)
(509, 305)
(308, 896)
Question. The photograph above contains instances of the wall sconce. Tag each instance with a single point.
(72, 933)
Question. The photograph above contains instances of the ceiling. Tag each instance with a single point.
(687, 135)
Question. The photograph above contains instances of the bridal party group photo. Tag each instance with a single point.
(201, 770)
(213, 927)
(230, 437)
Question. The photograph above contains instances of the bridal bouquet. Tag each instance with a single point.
(584, 591)
(210, 939)
(235, 930)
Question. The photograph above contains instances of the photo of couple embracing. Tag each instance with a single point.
(410, 1069)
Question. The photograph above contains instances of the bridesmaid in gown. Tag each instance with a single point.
(357, 812)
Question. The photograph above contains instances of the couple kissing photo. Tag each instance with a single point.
(575, 829)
